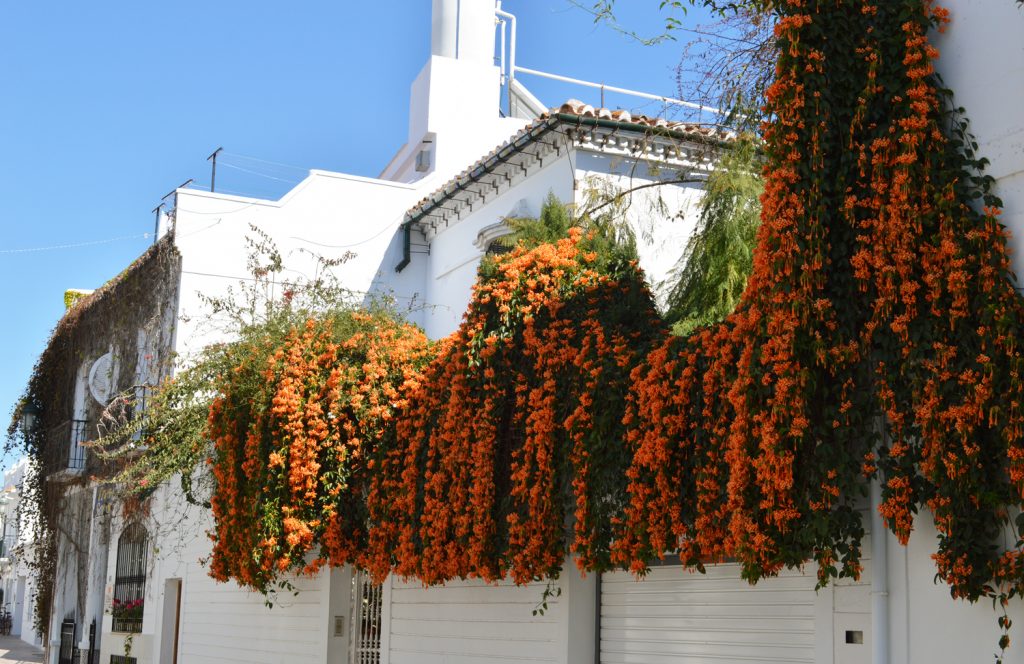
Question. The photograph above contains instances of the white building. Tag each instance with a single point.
(16, 582)
(419, 231)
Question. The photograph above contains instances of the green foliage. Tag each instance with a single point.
(153, 441)
(73, 295)
(164, 437)
(718, 259)
(107, 320)
(608, 234)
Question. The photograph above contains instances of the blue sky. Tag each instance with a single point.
(108, 106)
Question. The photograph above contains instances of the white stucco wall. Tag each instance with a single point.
(662, 217)
(453, 260)
(328, 214)
(472, 622)
(218, 622)
(982, 61)
(465, 622)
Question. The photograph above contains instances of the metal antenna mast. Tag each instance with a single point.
(156, 224)
(213, 173)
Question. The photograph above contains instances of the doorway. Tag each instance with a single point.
(171, 622)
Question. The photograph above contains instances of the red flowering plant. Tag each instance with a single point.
(295, 424)
(130, 610)
(877, 336)
(515, 430)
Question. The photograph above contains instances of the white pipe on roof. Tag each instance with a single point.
(511, 47)
(612, 88)
(879, 579)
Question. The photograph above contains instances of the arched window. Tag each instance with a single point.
(130, 579)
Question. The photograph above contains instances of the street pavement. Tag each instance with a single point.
(15, 651)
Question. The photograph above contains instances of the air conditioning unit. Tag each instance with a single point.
(423, 160)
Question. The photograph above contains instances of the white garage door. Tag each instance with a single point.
(678, 617)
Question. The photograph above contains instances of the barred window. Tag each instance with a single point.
(130, 579)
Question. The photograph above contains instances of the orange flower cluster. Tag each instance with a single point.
(516, 428)
(880, 318)
(877, 338)
(295, 426)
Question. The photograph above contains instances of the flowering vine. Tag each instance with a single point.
(877, 336)
(515, 429)
(295, 424)
(876, 340)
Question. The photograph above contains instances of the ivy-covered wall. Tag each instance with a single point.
(131, 317)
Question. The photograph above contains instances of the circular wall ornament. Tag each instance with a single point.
(101, 378)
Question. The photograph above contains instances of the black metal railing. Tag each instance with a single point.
(80, 434)
(122, 659)
(143, 395)
(7, 545)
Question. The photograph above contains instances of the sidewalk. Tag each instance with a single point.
(15, 651)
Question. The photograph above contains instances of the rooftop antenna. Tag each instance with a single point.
(156, 222)
(175, 193)
(213, 173)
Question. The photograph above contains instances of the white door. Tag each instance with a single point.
(679, 617)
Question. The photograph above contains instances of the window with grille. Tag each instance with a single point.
(366, 619)
(122, 659)
(130, 579)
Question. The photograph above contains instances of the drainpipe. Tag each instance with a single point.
(879, 580)
(406, 246)
(597, 621)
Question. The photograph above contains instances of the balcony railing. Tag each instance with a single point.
(7, 544)
(80, 434)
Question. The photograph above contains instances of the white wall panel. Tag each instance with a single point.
(471, 622)
(674, 617)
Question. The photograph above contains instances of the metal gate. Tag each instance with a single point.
(66, 655)
(93, 655)
(366, 619)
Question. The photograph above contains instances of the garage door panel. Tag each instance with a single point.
(648, 658)
(659, 620)
(737, 597)
(724, 611)
(741, 636)
(675, 617)
(687, 651)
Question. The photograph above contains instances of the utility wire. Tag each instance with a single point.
(76, 244)
(346, 246)
(262, 175)
(265, 161)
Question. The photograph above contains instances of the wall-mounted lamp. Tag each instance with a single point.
(29, 413)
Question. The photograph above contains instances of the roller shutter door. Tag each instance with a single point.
(678, 617)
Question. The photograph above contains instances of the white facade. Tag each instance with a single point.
(982, 61)
(896, 613)
(15, 576)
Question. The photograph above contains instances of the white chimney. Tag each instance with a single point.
(463, 29)
(444, 28)
(454, 102)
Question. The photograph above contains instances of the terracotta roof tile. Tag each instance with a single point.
(577, 107)
(554, 117)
